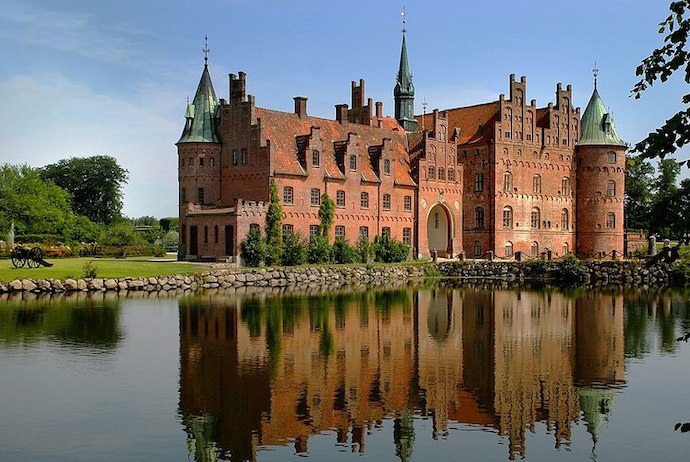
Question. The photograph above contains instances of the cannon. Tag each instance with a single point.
(33, 257)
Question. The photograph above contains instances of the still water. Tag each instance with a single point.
(423, 373)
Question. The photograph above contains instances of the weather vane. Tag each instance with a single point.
(206, 50)
(595, 71)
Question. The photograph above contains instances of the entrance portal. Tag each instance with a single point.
(438, 230)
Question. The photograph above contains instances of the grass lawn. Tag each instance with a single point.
(64, 268)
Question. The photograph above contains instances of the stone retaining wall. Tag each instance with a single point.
(298, 278)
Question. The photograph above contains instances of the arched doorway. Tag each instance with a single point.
(438, 227)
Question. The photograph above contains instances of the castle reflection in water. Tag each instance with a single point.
(273, 371)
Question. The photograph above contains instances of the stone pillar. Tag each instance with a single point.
(651, 248)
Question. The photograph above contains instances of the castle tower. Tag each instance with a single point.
(404, 90)
(600, 157)
(198, 152)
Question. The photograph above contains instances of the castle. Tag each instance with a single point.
(503, 178)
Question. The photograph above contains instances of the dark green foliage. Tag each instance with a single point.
(274, 231)
(319, 250)
(294, 250)
(387, 250)
(170, 224)
(326, 214)
(569, 269)
(535, 267)
(95, 184)
(363, 249)
(664, 217)
(660, 65)
(145, 221)
(120, 234)
(89, 270)
(639, 175)
(253, 248)
(343, 252)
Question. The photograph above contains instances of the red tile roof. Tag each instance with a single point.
(281, 128)
(468, 120)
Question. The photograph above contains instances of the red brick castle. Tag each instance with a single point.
(504, 176)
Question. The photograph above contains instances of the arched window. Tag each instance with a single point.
(564, 219)
(479, 182)
(565, 186)
(507, 217)
(534, 218)
(508, 182)
(315, 158)
(610, 188)
(432, 173)
(509, 249)
(566, 249)
(477, 248)
(610, 220)
(535, 249)
(536, 184)
(479, 217)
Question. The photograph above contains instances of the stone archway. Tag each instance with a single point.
(438, 229)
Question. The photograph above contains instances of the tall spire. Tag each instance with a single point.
(597, 126)
(202, 114)
(404, 89)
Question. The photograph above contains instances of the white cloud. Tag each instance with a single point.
(48, 117)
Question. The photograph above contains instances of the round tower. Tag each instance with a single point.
(199, 150)
(600, 154)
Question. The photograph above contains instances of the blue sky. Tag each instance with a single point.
(91, 77)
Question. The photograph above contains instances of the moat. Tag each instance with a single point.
(417, 373)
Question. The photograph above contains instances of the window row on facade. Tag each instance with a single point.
(315, 199)
(508, 251)
(441, 174)
(536, 221)
(314, 230)
(203, 161)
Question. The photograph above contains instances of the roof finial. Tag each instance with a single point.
(403, 13)
(206, 50)
(595, 71)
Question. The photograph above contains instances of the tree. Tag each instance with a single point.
(95, 184)
(34, 205)
(274, 228)
(252, 248)
(326, 214)
(664, 213)
(639, 175)
(660, 65)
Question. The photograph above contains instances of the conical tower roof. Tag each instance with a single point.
(202, 114)
(598, 128)
(403, 84)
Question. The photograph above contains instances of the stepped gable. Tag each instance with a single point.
(280, 129)
(470, 121)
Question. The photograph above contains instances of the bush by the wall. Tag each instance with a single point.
(363, 249)
(252, 248)
(319, 250)
(343, 252)
(294, 250)
(389, 250)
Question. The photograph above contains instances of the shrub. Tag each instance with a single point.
(389, 250)
(89, 270)
(343, 252)
(120, 234)
(569, 269)
(318, 250)
(252, 248)
(294, 250)
(363, 249)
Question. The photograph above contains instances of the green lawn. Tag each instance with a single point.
(64, 268)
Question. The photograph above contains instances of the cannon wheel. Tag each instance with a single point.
(34, 258)
(18, 259)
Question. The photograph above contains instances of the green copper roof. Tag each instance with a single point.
(202, 114)
(404, 79)
(598, 128)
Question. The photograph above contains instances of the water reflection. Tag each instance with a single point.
(77, 322)
(273, 371)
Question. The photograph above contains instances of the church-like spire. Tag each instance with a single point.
(202, 114)
(597, 126)
(404, 89)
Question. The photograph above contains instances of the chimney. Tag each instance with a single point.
(238, 88)
(300, 106)
(341, 113)
(379, 109)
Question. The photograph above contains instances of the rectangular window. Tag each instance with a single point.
(315, 158)
(200, 194)
(212, 162)
(340, 198)
(565, 186)
(288, 229)
(364, 200)
(479, 182)
(479, 218)
(534, 219)
(387, 166)
(315, 197)
(191, 161)
(353, 162)
(287, 195)
(339, 231)
(364, 231)
(181, 161)
(451, 175)
(408, 203)
(407, 236)
(536, 184)
(386, 231)
(245, 156)
(234, 157)
(386, 202)
(611, 157)
(254, 227)
(201, 161)
(313, 230)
